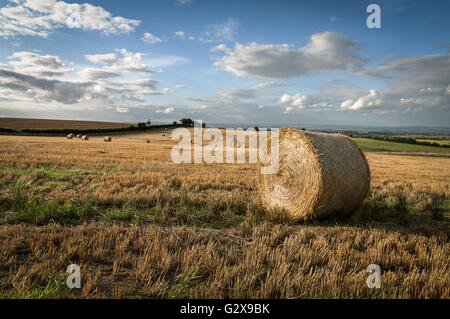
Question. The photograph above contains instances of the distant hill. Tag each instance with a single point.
(19, 124)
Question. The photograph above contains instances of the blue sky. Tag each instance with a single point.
(226, 62)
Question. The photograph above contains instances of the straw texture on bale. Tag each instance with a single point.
(107, 139)
(319, 175)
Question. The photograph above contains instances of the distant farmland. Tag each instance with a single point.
(440, 141)
(371, 145)
(19, 124)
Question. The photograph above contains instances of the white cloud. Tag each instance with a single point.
(150, 38)
(131, 62)
(39, 17)
(414, 84)
(220, 47)
(179, 34)
(288, 110)
(299, 100)
(180, 86)
(45, 78)
(373, 99)
(47, 66)
(199, 107)
(122, 109)
(304, 101)
(166, 90)
(91, 74)
(326, 52)
(41, 89)
(166, 111)
(114, 66)
(102, 58)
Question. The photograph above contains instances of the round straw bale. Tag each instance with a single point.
(107, 139)
(319, 175)
(70, 136)
(85, 137)
(79, 136)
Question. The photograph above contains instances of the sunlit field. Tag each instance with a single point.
(141, 226)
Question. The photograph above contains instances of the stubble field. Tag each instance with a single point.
(141, 226)
(20, 123)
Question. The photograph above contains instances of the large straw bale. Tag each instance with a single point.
(319, 175)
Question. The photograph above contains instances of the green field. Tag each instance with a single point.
(440, 142)
(371, 145)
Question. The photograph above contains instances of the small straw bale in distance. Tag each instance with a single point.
(319, 175)
(85, 137)
(79, 136)
(107, 139)
(70, 136)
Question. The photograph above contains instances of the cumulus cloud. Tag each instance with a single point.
(199, 107)
(92, 74)
(220, 47)
(130, 62)
(179, 34)
(416, 72)
(47, 66)
(122, 109)
(43, 89)
(326, 52)
(299, 100)
(166, 111)
(411, 84)
(45, 78)
(414, 84)
(303, 101)
(102, 58)
(150, 38)
(40, 17)
(288, 109)
(239, 103)
(373, 99)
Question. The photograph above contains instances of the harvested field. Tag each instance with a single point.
(142, 227)
(20, 123)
